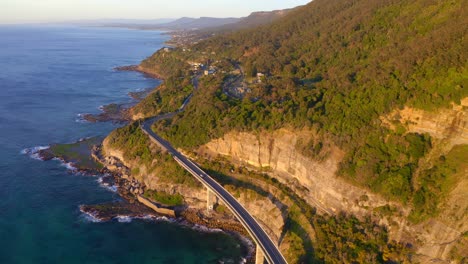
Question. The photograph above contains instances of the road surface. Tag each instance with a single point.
(263, 241)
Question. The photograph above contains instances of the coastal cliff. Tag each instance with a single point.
(267, 212)
(315, 179)
(435, 238)
(277, 151)
(347, 125)
(449, 125)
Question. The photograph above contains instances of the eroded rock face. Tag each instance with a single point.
(268, 213)
(265, 211)
(323, 188)
(447, 127)
(278, 152)
(449, 124)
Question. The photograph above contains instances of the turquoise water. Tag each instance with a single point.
(49, 75)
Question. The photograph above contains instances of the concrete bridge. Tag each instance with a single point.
(266, 248)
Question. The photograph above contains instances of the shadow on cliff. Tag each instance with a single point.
(289, 223)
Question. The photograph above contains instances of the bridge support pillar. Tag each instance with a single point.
(259, 258)
(211, 200)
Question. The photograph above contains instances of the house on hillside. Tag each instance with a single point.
(196, 65)
(210, 72)
(260, 76)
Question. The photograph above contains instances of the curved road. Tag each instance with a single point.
(269, 249)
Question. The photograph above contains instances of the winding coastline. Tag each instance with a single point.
(129, 207)
(137, 68)
(44, 91)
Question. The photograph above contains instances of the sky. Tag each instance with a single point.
(26, 11)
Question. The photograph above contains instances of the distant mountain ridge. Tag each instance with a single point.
(367, 96)
(188, 23)
(213, 24)
(120, 22)
(257, 19)
(222, 24)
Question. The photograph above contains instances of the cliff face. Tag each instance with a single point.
(442, 235)
(436, 238)
(317, 182)
(264, 209)
(450, 125)
(277, 151)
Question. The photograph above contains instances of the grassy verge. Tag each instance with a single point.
(79, 153)
(165, 198)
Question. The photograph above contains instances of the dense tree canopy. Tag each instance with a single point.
(335, 66)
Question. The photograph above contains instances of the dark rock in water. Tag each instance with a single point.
(78, 154)
(108, 180)
(117, 113)
(147, 73)
(127, 68)
(140, 95)
(46, 154)
(109, 211)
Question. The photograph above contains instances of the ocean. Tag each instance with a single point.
(48, 76)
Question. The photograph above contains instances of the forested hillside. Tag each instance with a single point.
(357, 59)
(335, 68)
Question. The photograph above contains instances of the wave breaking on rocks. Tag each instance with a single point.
(34, 152)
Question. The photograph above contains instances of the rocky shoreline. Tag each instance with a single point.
(120, 112)
(117, 177)
(76, 156)
(129, 188)
(117, 113)
(140, 95)
(138, 68)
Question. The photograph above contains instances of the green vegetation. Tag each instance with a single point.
(111, 108)
(135, 143)
(338, 239)
(79, 153)
(337, 74)
(386, 163)
(165, 198)
(296, 250)
(173, 67)
(345, 239)
(166, 98)
(166, 64)
(335, 67)
(385, 210)
(437, 182)
(221, 209)
(137, 149)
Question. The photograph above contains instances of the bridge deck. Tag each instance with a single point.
(263, 241)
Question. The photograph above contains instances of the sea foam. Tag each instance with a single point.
(89, 217)
(67, 165)
(129, 219)
(107, 186)
(34, 152)
(123, 218)
(204, 229)
(80, 118)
